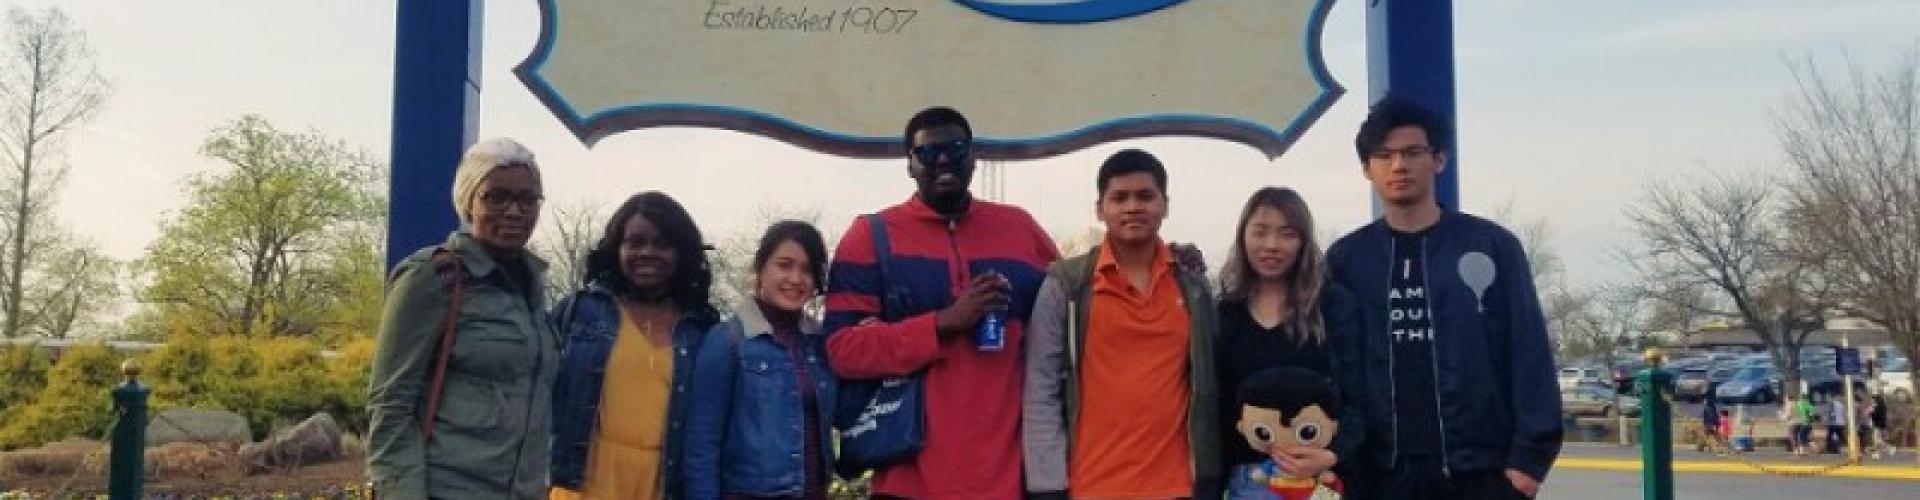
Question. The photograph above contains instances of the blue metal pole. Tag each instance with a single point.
(1410, 56)
(436, 98)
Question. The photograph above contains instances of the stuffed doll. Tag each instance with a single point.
(1287, 407)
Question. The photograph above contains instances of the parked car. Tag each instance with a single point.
(1574, 376)
(1624, 372)
(1823, 377)
(1587, 401)
(1628, 404)
(1692, 384)
(1896, 378)
(1753, 385)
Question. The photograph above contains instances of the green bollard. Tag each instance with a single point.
(1656, 429)
(126, 470)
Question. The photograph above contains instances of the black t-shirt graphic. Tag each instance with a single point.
(1410, 329)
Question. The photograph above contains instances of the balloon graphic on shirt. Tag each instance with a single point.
(1476, 269)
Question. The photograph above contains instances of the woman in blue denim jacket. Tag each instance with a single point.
(631, 334)
(759, 422)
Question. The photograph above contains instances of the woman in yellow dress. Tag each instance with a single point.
(631, 330)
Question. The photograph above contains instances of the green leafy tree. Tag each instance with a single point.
(76, 403)
(271, 382)
(282, 242)
(25, 370)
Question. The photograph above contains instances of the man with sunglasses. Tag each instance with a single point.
(1463, 401)
(956, 260)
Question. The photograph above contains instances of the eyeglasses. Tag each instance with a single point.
(1409, 152)
(499, 200)
(953, 152)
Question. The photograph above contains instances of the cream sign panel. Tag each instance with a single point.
(1036, 77)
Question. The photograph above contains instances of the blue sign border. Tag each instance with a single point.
(1074, 12)
(590, 129)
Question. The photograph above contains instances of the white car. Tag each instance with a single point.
(1896, 379)
(1572, 377)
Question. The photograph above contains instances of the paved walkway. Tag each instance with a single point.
(1900, 466)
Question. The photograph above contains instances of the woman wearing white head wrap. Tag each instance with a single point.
(479, 164)
(469, 420)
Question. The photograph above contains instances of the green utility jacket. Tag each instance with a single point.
(490, 435)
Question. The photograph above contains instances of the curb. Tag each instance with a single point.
(1892, 472)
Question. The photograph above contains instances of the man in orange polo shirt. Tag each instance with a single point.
(1120, 396)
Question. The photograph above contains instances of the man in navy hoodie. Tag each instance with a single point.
(1464, 403)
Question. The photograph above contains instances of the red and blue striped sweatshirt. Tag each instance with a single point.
(973, 397)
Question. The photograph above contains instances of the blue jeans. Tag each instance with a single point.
(1242, 486)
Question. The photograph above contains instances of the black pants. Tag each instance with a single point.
(1421, 479)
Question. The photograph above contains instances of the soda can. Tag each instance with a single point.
(991, 334)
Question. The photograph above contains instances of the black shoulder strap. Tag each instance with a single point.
(894, 301)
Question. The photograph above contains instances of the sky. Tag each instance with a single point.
(1566, 109)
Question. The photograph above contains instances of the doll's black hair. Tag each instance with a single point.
(1290, 390)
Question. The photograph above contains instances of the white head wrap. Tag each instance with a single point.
(481, 159)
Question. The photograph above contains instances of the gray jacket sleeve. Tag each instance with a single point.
(1044, 429)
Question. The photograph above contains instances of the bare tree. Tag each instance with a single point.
(1606, 319)
(1676, 307)
(78, 285)
(1564, 308)
(1854, 145)
(1853, 141)
(569, 234)
(1536, 236)
(49, 85)
(1723, 234)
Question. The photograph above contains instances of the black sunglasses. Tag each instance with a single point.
(953, 152)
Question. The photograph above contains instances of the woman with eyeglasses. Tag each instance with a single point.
(631, 333)
(462, 382)
(761, 415)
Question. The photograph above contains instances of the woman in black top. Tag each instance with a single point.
(1277, 309)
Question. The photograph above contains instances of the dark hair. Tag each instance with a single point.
(937, 116)
(1131, 161)
(810, 242)
(1394, 112)
(1290, 390)
(692, 276)
(1305, 280)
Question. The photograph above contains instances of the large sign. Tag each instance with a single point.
(1036, 77)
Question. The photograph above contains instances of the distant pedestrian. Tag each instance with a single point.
(1725, 431)
(1877, 416)
(1836, 424)
(1710, 424)
(1801, 424)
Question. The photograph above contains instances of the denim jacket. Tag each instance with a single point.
(590, 321)
(745, 433)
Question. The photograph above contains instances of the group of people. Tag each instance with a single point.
(1723, 426)
(1111, 374)
(1869, 418)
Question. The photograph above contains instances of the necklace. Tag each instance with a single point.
(644, 320)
